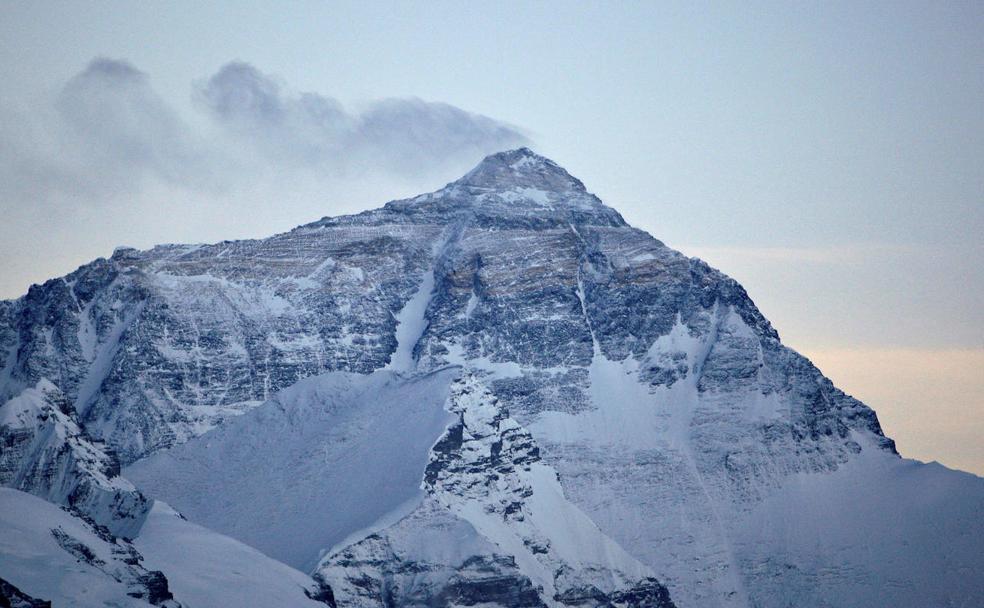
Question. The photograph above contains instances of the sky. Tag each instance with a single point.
(829, 156)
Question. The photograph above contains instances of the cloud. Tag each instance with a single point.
(238, 92)
(120, 129)
(107, 160)
(427, 133)
(105, 134)
(394, 135)
(108, 134)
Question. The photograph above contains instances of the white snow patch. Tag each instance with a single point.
(411, 324)
(102, 363)
(204, 568)
(525, 161)
(868, 534)
(536, 195)
(33, 561)
(494, 369)
(21, 412)
(87, 335)
(472, 304)
(328, 456)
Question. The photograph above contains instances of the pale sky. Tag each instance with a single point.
(829, 156)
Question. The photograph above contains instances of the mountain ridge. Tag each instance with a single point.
(643, 393)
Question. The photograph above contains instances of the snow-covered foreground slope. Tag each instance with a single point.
(879, 531)
(328, 457)
(206, 569)
(48, 554)
(290, 392)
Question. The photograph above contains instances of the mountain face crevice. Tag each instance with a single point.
(636, 391)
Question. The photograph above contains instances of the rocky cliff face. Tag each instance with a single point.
(500, 512)
(602, 375)
(43, 451)
(155, 347)
(51, 557)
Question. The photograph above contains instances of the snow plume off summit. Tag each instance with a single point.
(498, 394)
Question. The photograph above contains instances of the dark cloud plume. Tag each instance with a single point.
(121, 127)
(108, 133)
(397, 135)
(254, 108)
(238, 92)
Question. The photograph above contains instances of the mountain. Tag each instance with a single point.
(46, 453)
(47, 554)
(498, 393)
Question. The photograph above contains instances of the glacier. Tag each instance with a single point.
(498, 393)
(326, 458)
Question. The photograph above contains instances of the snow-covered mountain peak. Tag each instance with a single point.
(506, 190)
(521, 168)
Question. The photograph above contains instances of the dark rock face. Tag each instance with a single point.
(485, 448)
(479, 582)
(81, 551)
(152, 587)
(429, 558)
(649, 593)
(124, 566)
(12, 597)
(322, 594)
(445, 450)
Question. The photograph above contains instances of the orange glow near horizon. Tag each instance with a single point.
(930, 401)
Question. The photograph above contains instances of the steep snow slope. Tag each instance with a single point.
(49, 554)
(207, 569)
(327, 457)
(876, 532)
